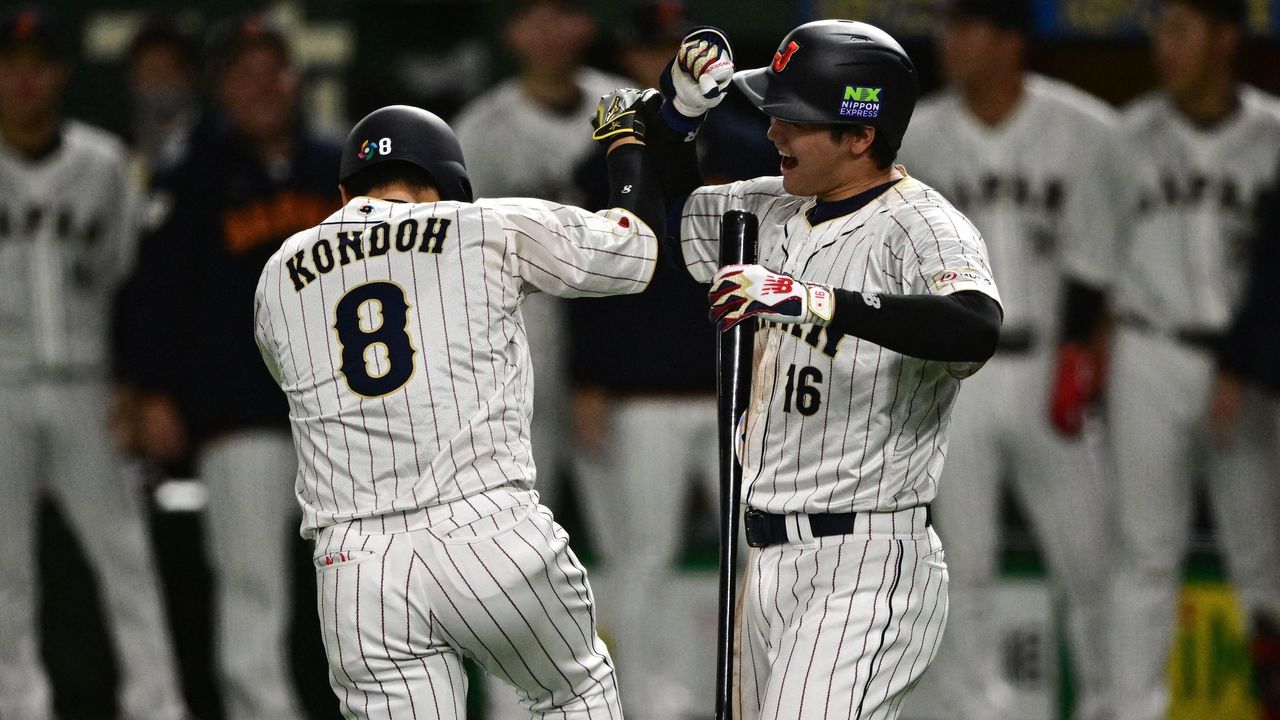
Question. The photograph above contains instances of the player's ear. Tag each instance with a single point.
(345, 197)
(858, 139)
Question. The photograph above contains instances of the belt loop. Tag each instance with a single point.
(798, 528)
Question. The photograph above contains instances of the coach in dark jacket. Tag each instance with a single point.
(253, 181)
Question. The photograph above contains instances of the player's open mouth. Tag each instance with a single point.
(788, 161)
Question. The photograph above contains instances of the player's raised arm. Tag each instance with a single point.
(571, 252)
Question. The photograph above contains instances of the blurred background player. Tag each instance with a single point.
(1197, 155)
(256, 178)
(67, 233)
(524, 138)
(163, 76)
(163, 68)
(645, 429)
(1027, 159)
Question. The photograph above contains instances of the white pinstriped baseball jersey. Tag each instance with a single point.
(1190, 197)
(839, 424)
(67, 229)
(395, 331)
(1038, 186)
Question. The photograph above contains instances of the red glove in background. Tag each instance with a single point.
(1074, 389)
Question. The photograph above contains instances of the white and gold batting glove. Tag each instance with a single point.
(739, 292)
(696, 79)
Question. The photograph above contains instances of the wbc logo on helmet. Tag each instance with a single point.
(368, 148)
(782, 57)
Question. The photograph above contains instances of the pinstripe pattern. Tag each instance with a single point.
(420, 498)
(460, 424)
(842, 627)
(504, 589)
(877, 441)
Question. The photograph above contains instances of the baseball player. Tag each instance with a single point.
(67, 211)
(1199, 153)
(395, 330)
(1027, 159)
(877, 297)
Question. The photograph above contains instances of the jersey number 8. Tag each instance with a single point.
(372, 325)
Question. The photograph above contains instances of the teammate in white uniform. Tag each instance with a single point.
(394, 328)
(881, 297)
(67, 211)
(1198, 155)
(1027, 159)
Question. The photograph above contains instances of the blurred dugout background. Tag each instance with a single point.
(440, 53)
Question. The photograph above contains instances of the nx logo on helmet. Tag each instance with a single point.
(782, 57)
(860, 102)
(368, 148)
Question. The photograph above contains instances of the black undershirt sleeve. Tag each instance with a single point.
(960, 327)
(633, 186)
(675, 153)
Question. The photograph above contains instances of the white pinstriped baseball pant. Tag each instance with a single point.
(490, 577)
(54, 439)
(841, 626)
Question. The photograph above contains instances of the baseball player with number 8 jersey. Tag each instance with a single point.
(878, 298)
(395, 331)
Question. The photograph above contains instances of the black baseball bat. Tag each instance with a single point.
(733, 360)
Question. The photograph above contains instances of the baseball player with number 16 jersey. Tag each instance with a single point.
(395, 331)
(880, 298)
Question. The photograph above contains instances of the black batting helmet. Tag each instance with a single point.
(412, 135)
(837, 71)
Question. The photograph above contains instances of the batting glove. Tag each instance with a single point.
(695, 80)
(622, 113)
(739, 292)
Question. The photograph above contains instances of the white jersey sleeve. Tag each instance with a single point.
(570, 252)
(940, 252)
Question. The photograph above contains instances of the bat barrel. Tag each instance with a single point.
(738, 238)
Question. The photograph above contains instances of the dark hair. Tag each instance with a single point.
(232, 38)
(882, 152)
(161, 32)
(390, 172)
(1015, 15)
(1232, 12)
